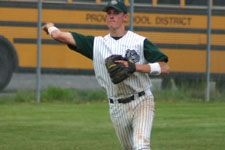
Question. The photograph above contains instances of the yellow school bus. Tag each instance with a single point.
(177, 27)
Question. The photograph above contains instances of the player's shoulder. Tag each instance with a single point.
(103, 37)
(135, 35)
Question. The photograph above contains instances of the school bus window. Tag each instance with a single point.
(196, 2)
(168, 2)
(219, 3)
(143, 2)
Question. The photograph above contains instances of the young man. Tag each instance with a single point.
(131, 101)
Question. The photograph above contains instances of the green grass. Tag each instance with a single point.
(189, 126)
(87, 126)
(56, 126)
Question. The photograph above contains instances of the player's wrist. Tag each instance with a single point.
(155, 68)
(142, 68)
(52, 29)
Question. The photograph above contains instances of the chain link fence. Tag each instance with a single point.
(177, 27)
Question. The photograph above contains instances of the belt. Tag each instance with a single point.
(127, 100)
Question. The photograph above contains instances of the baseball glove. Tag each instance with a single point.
(118, 71)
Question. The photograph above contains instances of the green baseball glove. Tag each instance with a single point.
(118, 71)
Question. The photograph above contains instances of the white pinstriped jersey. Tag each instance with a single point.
(107, 46)
(133, 120)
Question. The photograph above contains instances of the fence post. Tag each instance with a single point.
(38, 74)
(131, 15)
(207, 94)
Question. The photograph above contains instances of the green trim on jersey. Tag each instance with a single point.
(152, 53)
(85, 44)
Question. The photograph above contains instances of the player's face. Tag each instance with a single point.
(115, 19)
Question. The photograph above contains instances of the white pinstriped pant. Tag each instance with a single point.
(133, 122)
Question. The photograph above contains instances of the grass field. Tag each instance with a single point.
(87, 126)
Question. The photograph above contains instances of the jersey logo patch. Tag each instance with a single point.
(132, 54)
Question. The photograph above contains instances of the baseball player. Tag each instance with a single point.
(123, 61)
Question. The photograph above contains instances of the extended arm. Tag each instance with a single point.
(56, 34)
(147, 68)
(157, 60)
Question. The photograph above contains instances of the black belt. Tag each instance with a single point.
(129, 99)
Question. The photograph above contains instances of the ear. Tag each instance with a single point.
(126, 17)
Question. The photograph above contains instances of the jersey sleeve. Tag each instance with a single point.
(152, 53)
(84, 44)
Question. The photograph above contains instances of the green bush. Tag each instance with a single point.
(90, 95)
(24, 96)
(183, 94)
(73, 95)
(61, 94)
(55, 94)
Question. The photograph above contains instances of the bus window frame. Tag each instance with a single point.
(100, 2)
(158, 4)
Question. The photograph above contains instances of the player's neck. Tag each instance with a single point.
(118, 33)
